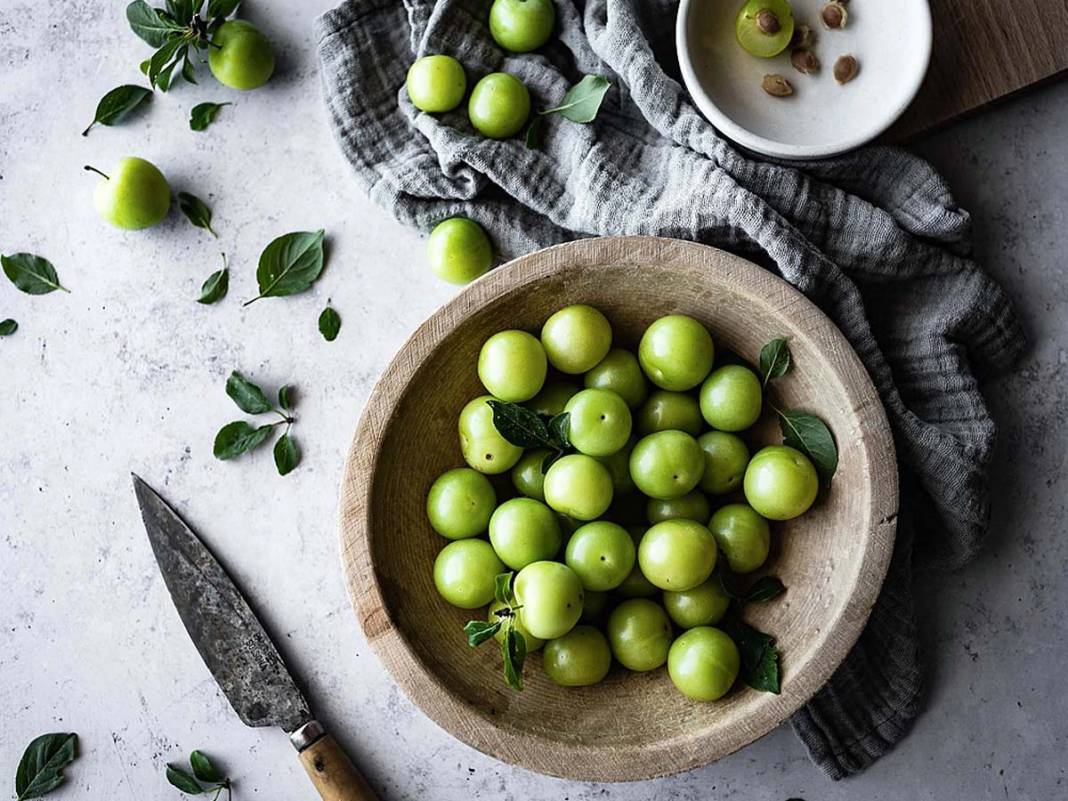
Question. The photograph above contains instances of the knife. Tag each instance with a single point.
(239, 653)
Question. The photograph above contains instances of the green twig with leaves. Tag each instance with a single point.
(177, 32)
(513, 644)
(525, 428)
(203, 778)
(239, 437)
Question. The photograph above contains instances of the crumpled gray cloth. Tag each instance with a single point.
(873, 237)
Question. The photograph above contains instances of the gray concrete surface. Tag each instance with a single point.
(126, 373)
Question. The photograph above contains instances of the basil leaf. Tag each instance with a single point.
(196, 211)
(764, 589)
(117, 103)
(514, 654)
(31, 274)
(40, 770)
(216, 287)
(502, 589)
(520, 426)
(329, 324)
(222, 8)
(560, 430)
(8, 327)
(203, 115)
(183, 781)
(204, 769)
(147, 23)
(290, 264)
(774, 359)
(810, 435)
(478, 631)
(285, 397)
(286, 454)
(583, 100)
(248, 396)
(759, 656)
(239, 437)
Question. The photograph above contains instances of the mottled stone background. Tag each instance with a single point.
(126, 373)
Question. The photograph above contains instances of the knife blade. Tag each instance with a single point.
(238, 651)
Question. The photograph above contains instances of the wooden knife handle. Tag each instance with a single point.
(332, 772)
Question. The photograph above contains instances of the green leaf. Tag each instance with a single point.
(583, 100)
(764, 589)
(147, 23)
(478, 631)
(329, 324)
(502, 589)
(532, 138)
(759, 656)
(290, 264)
(204, 769)
(203, 115)
(181, 10)
(810, 435)
(117, 103)
(196, 211)
(285, 397)
(40, 770)
(514, 654)
(32, 274)
(519, 425)
(222, 8)
(248, 396)
(8, 327)
(286, 454)
(239, 437)
(560, 430)
(774, 359)
(217, 285)
(184, 781)
(189, 71)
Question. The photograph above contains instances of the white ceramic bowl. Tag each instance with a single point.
(890, 38)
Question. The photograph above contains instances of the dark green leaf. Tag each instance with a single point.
(163, 80)
(520, 426)
(286, 454)
(329, 324)
(40, 770)
(560, 430)
(550, 457)
(8, 327)
(203, 115)
(502, 589)
(583, 100)
(196, 211)
(204, 769)
(239, 437)
(774, 359)
(189, 71)
(32, 274)
(248, 396)
(285, 397)
(759, 656)
(184, 781)
(217, 285)
(727, 579)
(808, 434)
(164, 60)
(181, 10)
(764, 589)
(117, 103)
(478, 631)
(147, 23)
(290, 264)
(222, 8)
(514, 654)
(532, 138)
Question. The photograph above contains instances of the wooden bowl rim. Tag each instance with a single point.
(495, 737)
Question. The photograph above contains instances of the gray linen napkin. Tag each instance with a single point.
(873, 237)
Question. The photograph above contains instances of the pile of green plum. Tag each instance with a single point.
(633, 497)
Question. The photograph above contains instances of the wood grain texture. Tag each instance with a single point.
(333, 774)
(632, 726)
(985, 50)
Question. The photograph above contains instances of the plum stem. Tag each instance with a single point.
(98, 172)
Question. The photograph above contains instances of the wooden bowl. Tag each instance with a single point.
(631, 726)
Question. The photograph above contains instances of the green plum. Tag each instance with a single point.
(460, 503)
(676, 352)
(666, 465)
(636, 585)
(240, 56)
(499, 105)
(135, 195)
(593, 605)
(731, 398)
(578, 659)
(523, 531)
(533, 643)
(551, 596)
(780, 482)
(704, 605)
(725, 459)
(691, 506)
(436, 83)
(619, 372)
(639, 633)
(743, 536)
(521, 25)
(465, 571)
(764, 27)
(459, 250)
(678, 554)
(576, 338)
(512, 366)
(703, 663)
(602, 554)
(599, 423)
(618, 465)
(578, 486)
(553, 398)
(483, 447)
(527, 475)
(670, 411)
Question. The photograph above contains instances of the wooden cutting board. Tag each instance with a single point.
(985, 50)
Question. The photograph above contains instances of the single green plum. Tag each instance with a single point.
(676, 352)
(704, 605)
(134, 196)
(667, 464)
(602, 554)
(703, 663)
(499, 105)
(780, 482)
(553, 398)
(670, 411)
(578, 659)
(523, 531)
(527, 475)
(576, 338)
(639, 633)
(551, 596)
(512, 366)
(465, 571)
(620, 373)
(240, 56)
(599, 423)
(578, 486)
(731, 398)
(678, 554)
(691, 506)
(436, 83)
(743, 536)
(459, 250)
(726, 457)
(482, 445)
(460, 503)
(533, 643)
(521, 25)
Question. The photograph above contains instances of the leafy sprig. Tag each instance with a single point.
(176, 32)
(526, 428)
(759, 667)
(203, 778)
(513, 644)
(579, 104)
(240, 437)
